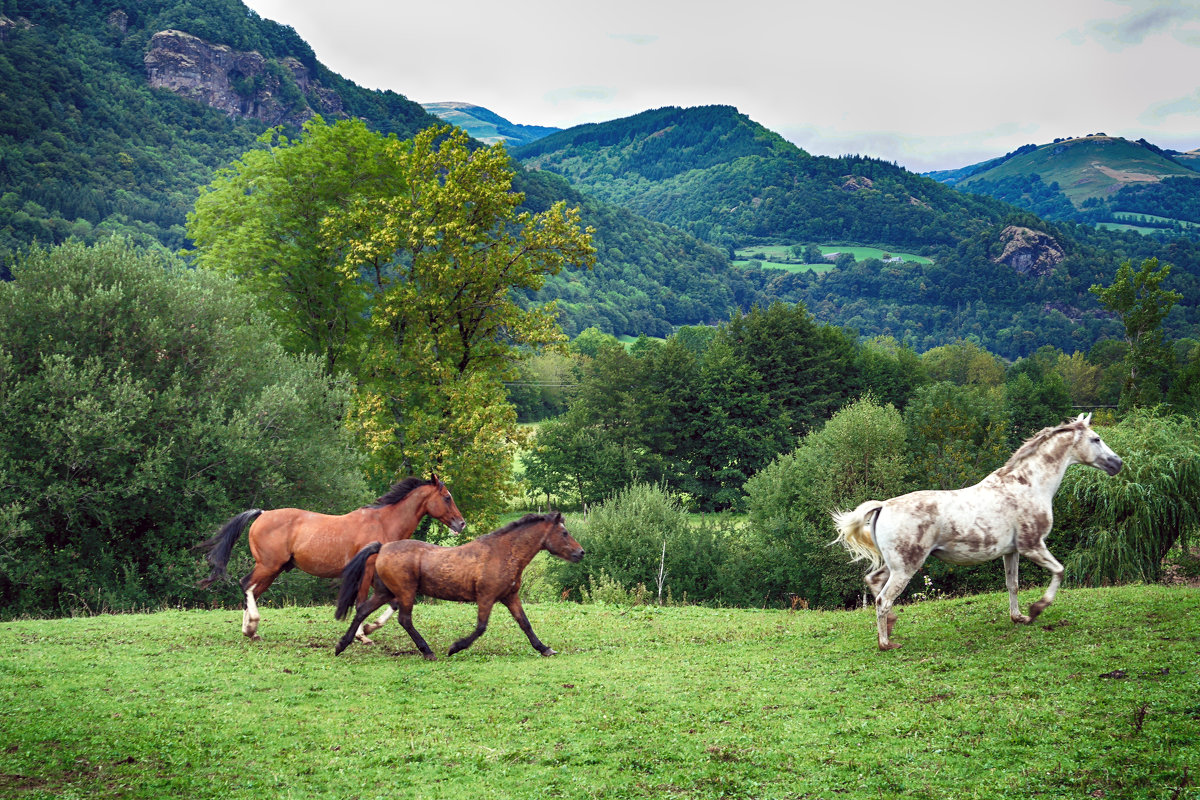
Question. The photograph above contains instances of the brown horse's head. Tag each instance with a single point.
(559, 542)
(440, 505)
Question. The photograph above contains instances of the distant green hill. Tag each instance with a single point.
(1095, 179)
(487, 126)
(1085, 168)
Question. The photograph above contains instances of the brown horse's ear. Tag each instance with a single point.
(558, 517)
(435, 479)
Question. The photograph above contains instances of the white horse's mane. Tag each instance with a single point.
(1035, 442)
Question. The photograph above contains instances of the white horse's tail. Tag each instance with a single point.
(855, 532)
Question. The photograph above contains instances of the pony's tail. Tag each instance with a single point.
(220, 546)
(351, 577)
(855, 532)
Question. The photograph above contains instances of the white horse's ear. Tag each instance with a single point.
(1087, 419)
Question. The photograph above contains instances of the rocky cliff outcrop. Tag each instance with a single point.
(242, 84)
(1029, 252)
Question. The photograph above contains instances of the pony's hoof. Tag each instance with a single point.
(430, 656)
(549, 651)
(363, 639)
(370, 627)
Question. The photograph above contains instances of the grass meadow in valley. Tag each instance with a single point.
(1100, 698)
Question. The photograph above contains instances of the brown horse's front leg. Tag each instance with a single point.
(518, 612)
(485, 611)
(406, 622)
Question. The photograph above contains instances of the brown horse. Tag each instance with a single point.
(320, 544)
(481, 571)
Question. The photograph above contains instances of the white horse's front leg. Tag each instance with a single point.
(1041, 556)
(1010, 579)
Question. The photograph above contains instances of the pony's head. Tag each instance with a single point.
(439, 504)
(1088, 448)
(558, 541)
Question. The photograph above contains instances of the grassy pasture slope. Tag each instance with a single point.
(1100, 699)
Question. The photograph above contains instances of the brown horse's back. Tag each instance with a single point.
(319, 544)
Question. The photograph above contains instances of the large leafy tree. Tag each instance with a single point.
(1137, 297)
(400, 262)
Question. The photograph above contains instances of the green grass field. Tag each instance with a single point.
(1100, 699)
(776, 256)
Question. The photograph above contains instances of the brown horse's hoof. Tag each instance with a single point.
(549, 651)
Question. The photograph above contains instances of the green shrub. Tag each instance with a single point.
(141, 404)
(638, 532)
(1117, 529)
(859, 455)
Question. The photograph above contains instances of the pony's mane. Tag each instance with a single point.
(528, 519)
(1034, 443)
(399, 491)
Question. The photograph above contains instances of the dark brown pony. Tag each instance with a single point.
(321, 544)
(481, 571)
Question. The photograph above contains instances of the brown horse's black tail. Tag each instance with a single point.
(351, 577)
(220, 546)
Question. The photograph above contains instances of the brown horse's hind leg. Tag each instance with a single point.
(254, 585)
(518, 612)
(485, 611)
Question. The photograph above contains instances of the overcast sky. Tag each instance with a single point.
(929, 84)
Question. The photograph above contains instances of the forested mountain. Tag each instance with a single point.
(1006, 278)
(487, 126)
(717, 174)
(89, 148)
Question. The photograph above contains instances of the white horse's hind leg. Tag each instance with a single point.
(875, 580)
(1010, 579)
(1041, 556)
(250, 616)
(885, 618)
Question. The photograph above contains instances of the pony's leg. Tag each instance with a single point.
(361, 613)
(485, 611)
(885, 618)
(254, 585)
(518, 612)
(1010, 579)
(419, 640)
(1041, 556)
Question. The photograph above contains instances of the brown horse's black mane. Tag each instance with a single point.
(528, 519)
(399, 491)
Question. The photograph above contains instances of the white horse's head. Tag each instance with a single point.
(1090, 449)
